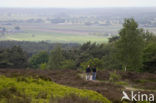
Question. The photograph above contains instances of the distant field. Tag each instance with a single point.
(55, 37)
(63, 33)
(70, 25)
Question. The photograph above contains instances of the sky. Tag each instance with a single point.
(77, 3)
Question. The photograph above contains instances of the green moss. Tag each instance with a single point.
(41, 91)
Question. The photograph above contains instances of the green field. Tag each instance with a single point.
(55, 37)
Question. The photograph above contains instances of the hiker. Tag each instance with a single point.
(88, 71)
(94, 73)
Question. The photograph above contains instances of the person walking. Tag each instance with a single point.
(88, 71)
(94, 73)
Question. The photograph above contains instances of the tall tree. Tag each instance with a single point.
(55, 59)
(130, 46)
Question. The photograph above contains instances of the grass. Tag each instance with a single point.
(40, 91)
(56, 37)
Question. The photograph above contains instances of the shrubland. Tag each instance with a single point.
(22, 89)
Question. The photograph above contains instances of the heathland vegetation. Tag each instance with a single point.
(126, 62)
(29, 90)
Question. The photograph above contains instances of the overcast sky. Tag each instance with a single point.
(77, 3)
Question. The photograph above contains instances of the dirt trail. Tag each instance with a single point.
(127, 87)
(83, 76)
(137, 89)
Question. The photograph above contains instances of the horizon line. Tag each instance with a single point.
(81, 7)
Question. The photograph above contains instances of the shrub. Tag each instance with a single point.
(114, 76)
(40, 91)
(43, 66)
(68, 64)
(37, 59)
(12, 95)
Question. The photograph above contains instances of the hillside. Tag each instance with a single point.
(144, 82)
(31, 90)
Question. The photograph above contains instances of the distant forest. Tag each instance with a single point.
(35, 47)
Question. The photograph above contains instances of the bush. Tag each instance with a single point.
(38, 59)
(40, 91)
(43, 66)
(12, 95)
(114, 77)
(68, 64)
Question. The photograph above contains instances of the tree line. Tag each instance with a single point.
(134, 49)
(35, 47)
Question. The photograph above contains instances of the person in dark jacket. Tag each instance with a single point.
(88, 71)
(94, 73)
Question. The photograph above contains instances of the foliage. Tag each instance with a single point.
(110, 61)
(14, 57)
(11, 95)
(95, 62)
(43, 66)
(130, 46)
(150, 57)
(35, 47)
(114, 76)
(38, 59)
(55, 59)
(121, 83)
(92, 50)
(133, 49)
(72, 98)
(113, 39)
(68, 64)
(41, 91)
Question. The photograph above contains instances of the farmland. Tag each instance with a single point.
(60, 33)
(70, 26)
(64, 33)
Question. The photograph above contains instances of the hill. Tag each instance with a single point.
(143, 82)
(32, 90)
